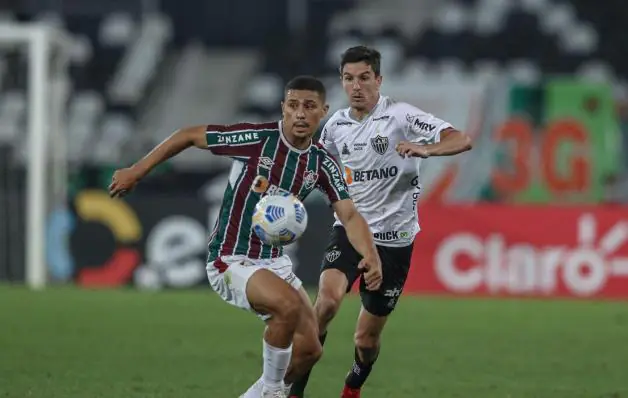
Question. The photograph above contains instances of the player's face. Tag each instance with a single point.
(361, 85)
(303, 111)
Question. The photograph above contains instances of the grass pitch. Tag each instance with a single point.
(71, 343)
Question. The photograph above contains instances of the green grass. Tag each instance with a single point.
(70, 343)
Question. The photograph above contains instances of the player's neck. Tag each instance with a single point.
(360, 114)
(300, 143)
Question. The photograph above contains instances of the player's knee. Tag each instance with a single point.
(327, 306)
(315, 353)
(312, 353)
(366, 339)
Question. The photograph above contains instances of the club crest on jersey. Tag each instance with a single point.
(309, 179)
(379, 144)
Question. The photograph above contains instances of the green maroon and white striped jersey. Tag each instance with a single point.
(262, 150)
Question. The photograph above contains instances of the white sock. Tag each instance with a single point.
(276, 361)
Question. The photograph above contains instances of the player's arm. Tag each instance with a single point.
(237, 141)
(452, 142)
(124, 180)
(358, 231)
(431, 136)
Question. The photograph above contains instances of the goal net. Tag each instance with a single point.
(34, 88)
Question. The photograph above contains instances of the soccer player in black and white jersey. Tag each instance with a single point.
(380, 143)
(244, 271)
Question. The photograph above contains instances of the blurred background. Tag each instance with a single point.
(537, 208)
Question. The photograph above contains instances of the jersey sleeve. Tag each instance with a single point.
(331, 181)
(423, 127)
(327, 139)
(237, 140)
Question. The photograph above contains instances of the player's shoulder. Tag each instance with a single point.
(261, 129)
(319, 150)
(338, 119)
(402, 110)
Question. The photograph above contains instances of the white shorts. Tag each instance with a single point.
(230, 283)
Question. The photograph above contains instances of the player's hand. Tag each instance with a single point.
(123, 182)
(408, 149)
(372, 268)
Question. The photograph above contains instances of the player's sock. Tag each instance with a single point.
(298, 387)
(276, 361)
(359, 372)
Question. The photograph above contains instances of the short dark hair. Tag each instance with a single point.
(369, 56)
(309, 83)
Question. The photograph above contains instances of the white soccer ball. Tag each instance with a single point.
(279, 220)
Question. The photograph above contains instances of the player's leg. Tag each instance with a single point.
(249, 285)
(376, 308)
(306, 347)
(339, 271)
(367, 345)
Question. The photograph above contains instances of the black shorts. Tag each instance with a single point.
(341, 255)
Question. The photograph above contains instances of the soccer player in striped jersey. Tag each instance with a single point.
(269, 158)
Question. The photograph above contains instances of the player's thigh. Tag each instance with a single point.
(339, 268)
(395, 268)
(262, 286)
(269, 294)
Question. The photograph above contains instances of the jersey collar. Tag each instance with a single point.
(368, 115)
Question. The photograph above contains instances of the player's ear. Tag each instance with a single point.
(325, 109)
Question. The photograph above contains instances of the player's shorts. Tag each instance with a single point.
(341, 255)
(229, 275)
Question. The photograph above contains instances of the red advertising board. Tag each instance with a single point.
(539, 251)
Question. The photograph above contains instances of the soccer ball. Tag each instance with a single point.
(279, 220)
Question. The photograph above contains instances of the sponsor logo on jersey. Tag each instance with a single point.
(359, 146)
(385, 117)
(238, 138)
(423, 126)
(341, 123)
(345, 149)
(352, 176)
(389, 236)
(309, 179)
(417, 191)
(266, 162)
(332, 255)
(379, 144)
(262, 186)
(336, 178)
